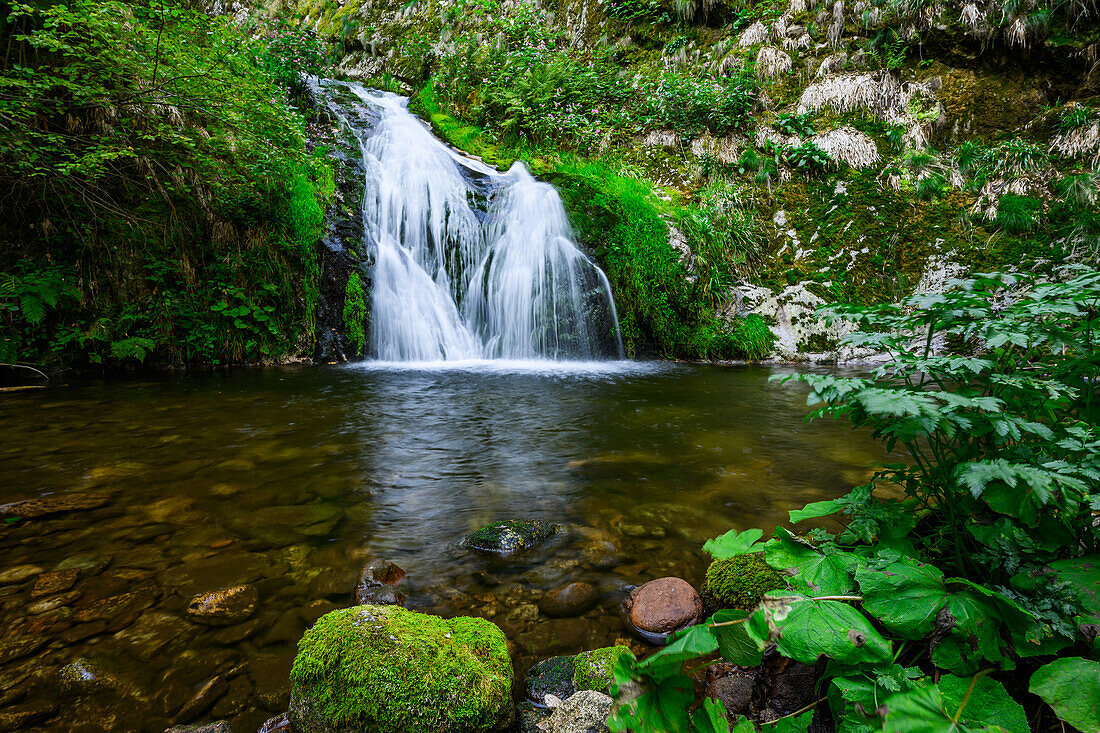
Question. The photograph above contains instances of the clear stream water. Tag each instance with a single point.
(290, 480)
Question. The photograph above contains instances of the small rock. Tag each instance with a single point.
(594, 670)
(219, 726)
(201, 701)
(223, 607)
(572, 599)
(585, 712)
(278, 724)
(46, 505)
(82, 676)
(510, 537)
(375, 584)
(19, 573)
(792, 688)
(735, 692)
(56, 581)
(660, 607)
(553, 676)
(49, 604)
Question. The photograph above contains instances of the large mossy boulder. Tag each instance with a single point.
(384, 669)
(595, 670)
(739, 582)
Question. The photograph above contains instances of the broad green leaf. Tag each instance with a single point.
(988, 703)
(811, 570)
(804, 629)
(743, 725)
(1071, 686)
(818, 509)
(662, 708)
(734, 543)
(905, 596)
(924, 710)
(1083, 573)
(692, 642)
(710, 717)
(734, 642)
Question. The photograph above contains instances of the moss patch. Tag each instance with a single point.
(389, 670)
(739, 582)
(593, 670)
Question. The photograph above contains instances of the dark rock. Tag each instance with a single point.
(219, 726)
(202, 700)
(734, 691)
(553, 676)
(270, 674)
(16, 717)
(83, 676)
(572, 599)
(151, 633)
(376, 584)
(658, 608)
(792, 687)
(379, 596)
(47, 505)
(223, 607)
(554, 636)
(510, 537)
(54, 582)
(118, 611)
(283, 524)
(278, 724)
(528, 718)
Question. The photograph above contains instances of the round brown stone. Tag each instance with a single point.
(662, 606)
(569, 600)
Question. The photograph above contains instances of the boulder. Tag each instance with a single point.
(571, 599)
(389, 670)
(223, 607)
(585, 712)
(660, 607)
(529, 718)
(594, 670)
(553, 676)
(376, 584)
(739, 582)
(510, 537)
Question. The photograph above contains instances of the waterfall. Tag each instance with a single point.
(471, 263)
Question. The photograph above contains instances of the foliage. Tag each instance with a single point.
(691, 105)
(795, 124)
(355, 311)
(808, 157)
(981, 557)
(156, 172)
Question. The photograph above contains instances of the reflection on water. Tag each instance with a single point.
(290, 481)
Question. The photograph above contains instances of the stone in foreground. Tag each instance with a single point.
(660, 607)
(388, 670)
(585, 712)
(510, 537)
(595, 670)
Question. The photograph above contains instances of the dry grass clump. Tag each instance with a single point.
(771, 63)
(755, 35)
(849, 145)
(1079, 143)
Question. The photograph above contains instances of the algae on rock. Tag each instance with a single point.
(389, 670)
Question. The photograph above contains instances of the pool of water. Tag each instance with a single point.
(290, 480)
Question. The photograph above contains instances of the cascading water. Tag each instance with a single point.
(471, 263)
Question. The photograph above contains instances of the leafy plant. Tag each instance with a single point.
(982, 558)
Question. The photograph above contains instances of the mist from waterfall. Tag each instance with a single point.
(472, 263)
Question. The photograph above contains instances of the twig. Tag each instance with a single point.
(812, 705)
(25, 366)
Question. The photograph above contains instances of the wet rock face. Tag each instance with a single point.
(585, 712)
(376, 584)
(553, 676)
(223, 607)
(662, 606)
(571, 599)
(510, 537)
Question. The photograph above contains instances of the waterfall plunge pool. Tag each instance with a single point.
(290, 480)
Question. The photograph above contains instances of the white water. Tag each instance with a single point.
(472, 263)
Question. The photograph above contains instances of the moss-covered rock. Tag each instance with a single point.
(739, 582)
(389, 670)
(553, 676)
(510, 536)
(593, 670)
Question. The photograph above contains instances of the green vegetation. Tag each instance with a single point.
(355, 312)
(962, 576)
(161, 202)
(739, 582)
(594, 670)
(385, 669)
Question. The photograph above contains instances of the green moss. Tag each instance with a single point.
(389, 670)
(355, 310)
(739, 582)
(593, 670)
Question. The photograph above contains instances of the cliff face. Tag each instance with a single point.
(798, 153)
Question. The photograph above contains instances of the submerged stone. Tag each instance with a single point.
(585, 712)
(376, 584)
(739, 582)
(660, 607)
(223, 607)
(511, 537)
(389, 670)
(594, 670)
(571, 599)
(47, 505)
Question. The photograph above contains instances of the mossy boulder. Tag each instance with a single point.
(388, 670)
(739, 582)
(594, 670)
(553, 676)
(511, 536)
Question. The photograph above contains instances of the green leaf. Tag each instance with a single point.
(692, 642)
(734, 543)
(787, 724)
(803, 629)
(812, 571)
(734, 642)
(905, 596)
(1071, 686)
(710, 717)
(988, 703)
(818, 509)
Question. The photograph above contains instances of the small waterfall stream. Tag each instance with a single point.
(471, 263)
